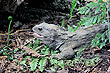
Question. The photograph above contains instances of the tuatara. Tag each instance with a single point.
(67, 42)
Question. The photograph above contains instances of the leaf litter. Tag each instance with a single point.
(22, 51)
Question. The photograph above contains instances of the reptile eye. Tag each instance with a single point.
(40, 29)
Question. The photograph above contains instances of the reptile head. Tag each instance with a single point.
(45, 32)
(49, 33)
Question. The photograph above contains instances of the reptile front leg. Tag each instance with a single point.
(65, 53)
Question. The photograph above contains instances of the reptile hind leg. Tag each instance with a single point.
(65, 54)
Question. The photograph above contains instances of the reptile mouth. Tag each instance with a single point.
(38, 35)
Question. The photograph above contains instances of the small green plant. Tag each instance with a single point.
(73, 6)
(41, 62)
(63, 23)
(98, 15)
(4, 50)
(88, 62)
(78, 55)
(9, 18)
(100, 39)
(91, 62)
(34, 64)
(25, 60)
(70, 29)
(53, 64)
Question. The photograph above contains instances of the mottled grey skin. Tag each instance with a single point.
(67, 42)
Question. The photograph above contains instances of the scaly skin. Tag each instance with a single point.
(67, 42)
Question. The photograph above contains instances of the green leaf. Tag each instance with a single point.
(53, 61)
(95, 4)
(16, 50)
(33, 64)
(91, 5)
(106, 33)
(42, 51)
(101, 45)
(93, 41)
(73, 6)
(95, 19)
(97, 59)
(80, 51)
(47, 51)
(82, 10)
(105, 40)
(103, 14)
(98, 34)
(99, 17)
(103, 7)
(87, 11)
(103, 19)
(87, 62)
(37, 42)
(103, 37)
(27, 57)
(104, 43)
(98, 9)
(62, 24)
(61, 64)
(97, 41)
(23, 62)
(53, 69)
(75, 60)
(70, 29)
(94, 45)
(91, 19)
(92, 62)
(42, 64)
(76, 27)
(100, 1)
(52, 52)
(89, 15)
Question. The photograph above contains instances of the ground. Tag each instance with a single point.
(11, 61)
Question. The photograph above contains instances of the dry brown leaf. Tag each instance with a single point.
(3, 57)
(30, 51)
